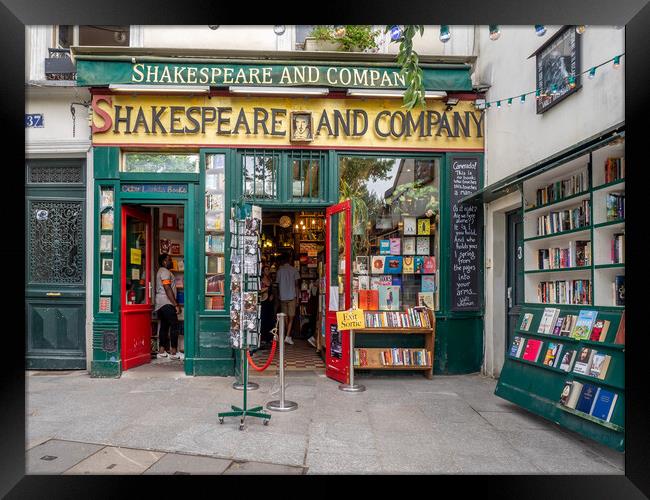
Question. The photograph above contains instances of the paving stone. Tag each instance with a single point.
(175, 463)
(262, 468)
(56, 456)
(111, 460)
(342, 463)
(508, 420)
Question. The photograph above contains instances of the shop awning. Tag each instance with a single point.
(101, 66)
(512, 183)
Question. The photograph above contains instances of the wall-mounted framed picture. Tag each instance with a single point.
(106, 287)
(558, 68)
(301, 127)
(104, 304)
(107, 266)
(106, 243)
(107, 220)
(169, 221)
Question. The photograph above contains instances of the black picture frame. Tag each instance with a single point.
(555, 62)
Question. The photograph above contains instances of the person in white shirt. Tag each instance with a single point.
(167, 308)
(287, 279)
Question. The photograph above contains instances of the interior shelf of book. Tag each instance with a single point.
(392, 358)
(569, 361)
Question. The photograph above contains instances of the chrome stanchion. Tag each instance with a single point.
(352, 387)
(281, 405)
(238, 384)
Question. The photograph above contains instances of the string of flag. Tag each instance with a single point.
(569, 81)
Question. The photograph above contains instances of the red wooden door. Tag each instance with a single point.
(337, 297)
(136, 291)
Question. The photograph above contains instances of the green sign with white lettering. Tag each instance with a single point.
(92, 73)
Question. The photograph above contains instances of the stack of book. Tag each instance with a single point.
(618, 248)
(564, 292)
(562, 189)
(411, 318)
(214, 243)
(614, 169)
(564, 220)
(615, 205)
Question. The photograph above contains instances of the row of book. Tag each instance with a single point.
(214, 303)
(215, 264)
(562, 189)
(589, 399)
(397, 264)
(614, 169)
(618, 248)
(364, 282)
(178, 264)
(577, 254)
(564, 292)
(214, 284)
(586, 325)
(564, 220)
(412, 246)
(411, 318)
(587, 361)
(396, 356)
(618, 290)
(214, 243)
(615, 205)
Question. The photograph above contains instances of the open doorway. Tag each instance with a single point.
(297, 238)
(153, 277)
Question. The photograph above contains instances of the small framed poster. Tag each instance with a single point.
(135, 256)
(106, 199)
(104, 304)
(106, 243)
(361, 264)
(107, 266)
(169, 221)
(106, 286)
(558, 68)
(301, 127)
(410, 226)
(107, 219)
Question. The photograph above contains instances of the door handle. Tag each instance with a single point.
(53, 294)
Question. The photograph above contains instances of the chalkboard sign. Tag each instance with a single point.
(465, 235)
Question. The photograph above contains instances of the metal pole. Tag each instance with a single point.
(352, 387)
(281, 405)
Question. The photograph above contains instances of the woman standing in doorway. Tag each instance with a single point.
(167, 308)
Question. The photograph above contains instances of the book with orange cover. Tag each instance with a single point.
(373, 299)
(620, 334)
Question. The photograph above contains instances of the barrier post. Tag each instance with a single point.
(281, 405)
(352, 387)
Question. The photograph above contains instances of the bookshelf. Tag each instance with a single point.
(397, 354)
(590, 257)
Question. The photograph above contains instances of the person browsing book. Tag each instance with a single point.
(167, 308)
(287, 279)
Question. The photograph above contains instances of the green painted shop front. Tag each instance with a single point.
(459, 335)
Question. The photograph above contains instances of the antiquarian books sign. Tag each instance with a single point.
(465, 234)
(241, 121)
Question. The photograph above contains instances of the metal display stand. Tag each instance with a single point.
(281, 405)
(244, 304)
(352, 387)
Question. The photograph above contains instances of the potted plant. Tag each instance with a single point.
(349, 38)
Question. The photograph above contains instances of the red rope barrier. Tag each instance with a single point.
(268, 361)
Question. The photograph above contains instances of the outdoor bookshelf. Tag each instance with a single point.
(534, 385)
(382, 333)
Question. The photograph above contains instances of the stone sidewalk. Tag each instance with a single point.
(154, 419)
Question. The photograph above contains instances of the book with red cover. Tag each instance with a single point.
(532, 350)
(599, 331)
(373, 299)
(363, 299)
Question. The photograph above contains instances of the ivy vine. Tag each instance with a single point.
(410, 62)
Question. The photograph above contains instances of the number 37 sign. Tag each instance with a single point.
(34, 120)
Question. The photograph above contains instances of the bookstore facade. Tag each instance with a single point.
(360, 193)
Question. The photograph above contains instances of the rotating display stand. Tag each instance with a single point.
(245, 266)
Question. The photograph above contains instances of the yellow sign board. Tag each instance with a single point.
(136, 256)
(196, 121)
(350, 320)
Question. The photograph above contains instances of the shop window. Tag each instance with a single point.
(104, 35)
(215, 263)
(395, 234)
(305, 169)
(260, 169)
(160, 162)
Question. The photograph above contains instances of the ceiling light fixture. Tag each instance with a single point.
(180, 89)
(279, 90)
(428, 94)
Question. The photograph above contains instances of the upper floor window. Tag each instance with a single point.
(302, 32)
(68, 35)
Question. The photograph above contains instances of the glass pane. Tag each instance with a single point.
(305, 178)
(161, 162)
(215, 192)
(136, 258)
(104, 35)
(259, 175)
(395, 236)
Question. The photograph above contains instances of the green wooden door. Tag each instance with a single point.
(55, 213)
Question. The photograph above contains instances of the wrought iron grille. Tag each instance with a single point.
(56, 251)
(260, 173)
(305, 167)
(47, 174)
